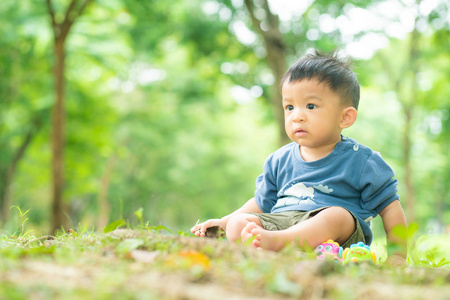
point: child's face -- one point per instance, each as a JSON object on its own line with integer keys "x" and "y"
{"x": 313, "y": 113}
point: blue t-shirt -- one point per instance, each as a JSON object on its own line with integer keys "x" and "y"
{"x": 352, "y": 176}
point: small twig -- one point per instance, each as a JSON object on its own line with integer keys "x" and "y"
{"x": 45, "y": 237}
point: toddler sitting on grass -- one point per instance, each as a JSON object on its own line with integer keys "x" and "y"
{"x": 323, "y": 185}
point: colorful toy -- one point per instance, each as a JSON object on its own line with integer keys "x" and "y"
{"x": 329, "y": 250}
{"x": 358, "y": 252}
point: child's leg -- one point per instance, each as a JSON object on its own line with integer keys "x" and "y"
{"x": 334, "y": 223}
{"x": 237, "y": 223}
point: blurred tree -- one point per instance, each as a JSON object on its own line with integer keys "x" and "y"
{"x": 433, "y": 112}
{"x": 403, "y": 78}
{"x": 276, "y": 56}
{"x": 23, "y": 105}
{"x": 177, "y": 158}
{"x": 405, "y": 63}
{"x": 439, "y": 91}
{"x": 61, "y": 28}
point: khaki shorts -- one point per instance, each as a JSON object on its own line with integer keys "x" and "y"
{"x": 286, "y": 219}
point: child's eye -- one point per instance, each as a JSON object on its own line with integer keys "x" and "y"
{"x": 289, "y": 107}
{"x": 311, "y": 106}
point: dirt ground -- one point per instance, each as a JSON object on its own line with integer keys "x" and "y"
{"x": 101, "y": 268}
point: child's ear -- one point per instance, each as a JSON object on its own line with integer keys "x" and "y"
{"x": 349, "y": 115}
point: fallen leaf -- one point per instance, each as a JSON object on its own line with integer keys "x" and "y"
{"x": 143, "y": 256}
{"x": 188, "y": 259}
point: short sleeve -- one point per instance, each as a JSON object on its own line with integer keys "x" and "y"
{"x": 378, "y": 185}
{"x": 266, "y": 188}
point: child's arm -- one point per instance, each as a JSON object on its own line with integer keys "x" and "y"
{"x": 392, "y": 216}
{"x": 249, "y": 207}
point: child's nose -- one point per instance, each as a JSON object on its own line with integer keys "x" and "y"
{"x": 298, "y": 116}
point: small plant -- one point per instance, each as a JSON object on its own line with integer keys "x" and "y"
{"x": 157, "y": 228}
{"x": 23, "y": 220}
{"x": 139, "y": 215}
{"x": 428, "y": 251}
{"x": 114, "y": 225}
{"x": 432, "y": 261}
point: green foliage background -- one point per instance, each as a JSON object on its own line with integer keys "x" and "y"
{"x": 149, "y": 103}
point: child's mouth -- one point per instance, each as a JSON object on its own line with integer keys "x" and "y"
{"x": 300, "y": 132}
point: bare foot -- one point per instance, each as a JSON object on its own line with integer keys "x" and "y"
{"x": 262, "y": 238}
{"x": 246, "y": 233}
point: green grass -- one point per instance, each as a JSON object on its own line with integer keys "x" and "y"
{"x": 151, "y": 263}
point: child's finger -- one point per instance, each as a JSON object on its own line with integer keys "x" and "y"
{"x": 196, "y": 226}
{"x": 204, "y": 227}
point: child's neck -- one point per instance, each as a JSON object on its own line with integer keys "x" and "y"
{"x": 312, "y": 154}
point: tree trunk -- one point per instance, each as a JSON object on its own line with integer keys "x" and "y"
{"x": 410, "y": 193}
{"x": 5, "y": 196}
{"x": 5, "y": 192}
{"x": 103, "y": 203}
{"x": 408, "y": 107}
{"x": 275, "y": 47}
{"x": 58, "y": 122}
{"x": 60, "y": 32}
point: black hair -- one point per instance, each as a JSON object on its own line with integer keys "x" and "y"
{"x": 329, "y": 69}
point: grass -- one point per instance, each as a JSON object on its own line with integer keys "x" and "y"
{"x": 151, "y": 263}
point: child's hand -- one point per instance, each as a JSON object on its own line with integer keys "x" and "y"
{"x": 200, "y": 229}
{"x": 396, "y": 261}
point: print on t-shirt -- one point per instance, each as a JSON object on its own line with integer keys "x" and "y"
{"x": 296, "y": 193}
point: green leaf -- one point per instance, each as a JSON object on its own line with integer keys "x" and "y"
{"x": 129, "y": 245}
{"x": 138, "y": 213}
{"x": 282, "y": 284}
{"x": 443, "y": 262}
{"x": 159, "y": 228}
{"x": 405, "y": 233}
{"x": 114, "y": 225}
